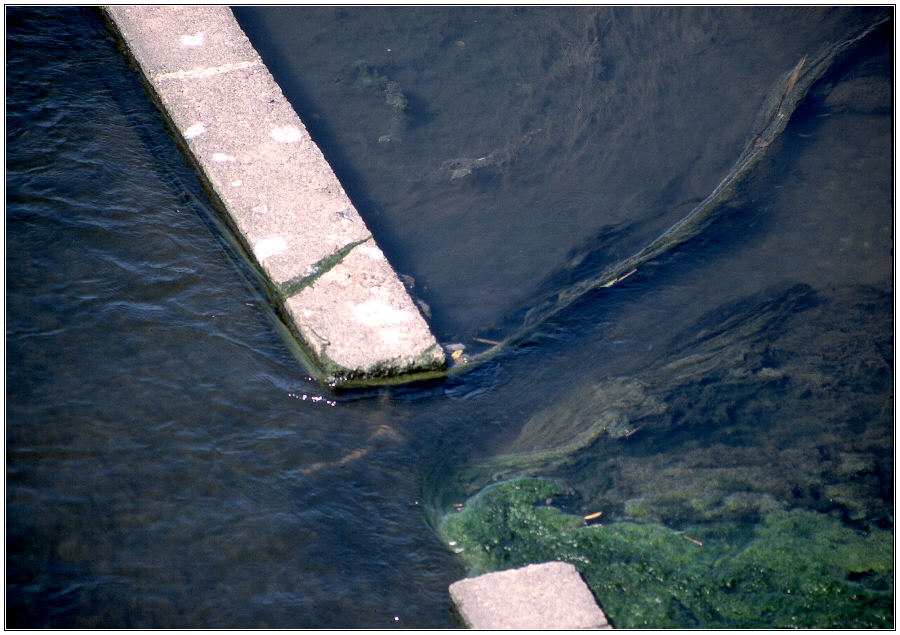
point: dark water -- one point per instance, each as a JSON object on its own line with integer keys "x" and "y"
{"x": 170, "y": 465}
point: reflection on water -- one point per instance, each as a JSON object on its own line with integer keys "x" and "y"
{"x": 169, "y": 465}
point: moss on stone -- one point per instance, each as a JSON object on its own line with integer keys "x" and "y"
{"x": 296, "y": 285}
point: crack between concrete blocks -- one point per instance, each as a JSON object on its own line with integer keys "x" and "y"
{"x": 295, "y": 285}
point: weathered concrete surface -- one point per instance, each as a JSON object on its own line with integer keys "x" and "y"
{"x": 551, "y": 595}
{"x": 334, "y": 288}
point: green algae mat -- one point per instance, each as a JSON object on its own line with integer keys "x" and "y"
{"x": 794, "y": 569}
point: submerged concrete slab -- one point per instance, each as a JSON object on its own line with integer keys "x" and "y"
{"x": 551, "y": 595}
{"x": 331, "y": 283}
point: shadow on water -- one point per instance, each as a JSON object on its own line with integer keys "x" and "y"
{"x": 169, "y": 465}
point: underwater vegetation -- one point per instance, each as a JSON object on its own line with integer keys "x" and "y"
{"x": 370, "y": 77}
{"x": 796, "y": 568}
{"x": 742, "y": 417}
{"x": 745, "y": 479}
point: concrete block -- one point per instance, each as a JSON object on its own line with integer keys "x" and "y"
{"x": 377, "y": 314}
{"x": 278, "y": 194}
{"x": 551, "y": 595}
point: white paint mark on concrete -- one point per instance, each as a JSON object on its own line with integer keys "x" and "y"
{"x": 286, "y": 134}
{"x": 192, "y": 40}
{"x": 260, "y": 209}
{"x": 376, "y": 314}
{"x": 236, "y": 183}
{"x": 222, "y": 158}
{"x": 195, "y": 131}
{"x": 268, "y": 247}
{"x": 200, "y": 73}
{"x": 372, "y": 252}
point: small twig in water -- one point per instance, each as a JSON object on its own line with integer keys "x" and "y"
{"x": 794, "y": 75}
{"x": 790, "y": 83}
{"x": 693, "y": 540}
{"x": 619, "y": 279}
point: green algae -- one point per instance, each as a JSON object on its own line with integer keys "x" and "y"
{"x": 296, "y": 285}
{"x": 742, "y": 417}
{"x": 794, "y": 568}
{"x": 772, "y": 453}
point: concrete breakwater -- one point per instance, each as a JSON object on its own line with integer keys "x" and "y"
{"x": 330, "y": 283}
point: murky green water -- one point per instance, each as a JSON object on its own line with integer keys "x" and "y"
{"x": 170, "y": 465}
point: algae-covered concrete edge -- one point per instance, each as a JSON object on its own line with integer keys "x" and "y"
{"x": 330, "y": 282}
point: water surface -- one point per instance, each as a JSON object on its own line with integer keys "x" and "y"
{"x": 169, "y": 464}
